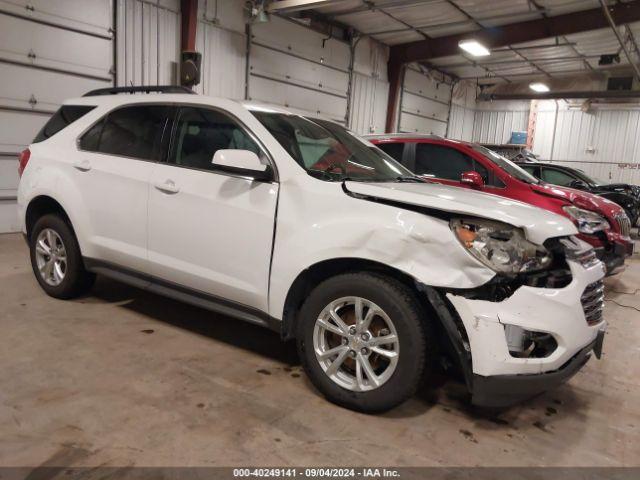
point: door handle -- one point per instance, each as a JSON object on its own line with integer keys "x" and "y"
{"x": 83, "y": 166}
{"x": 168, "y": 186}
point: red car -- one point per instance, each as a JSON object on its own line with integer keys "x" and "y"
{"x": 600, "y": 222}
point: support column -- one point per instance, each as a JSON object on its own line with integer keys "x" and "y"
{"x": 188, "y": 23}
{"x": 395, "y": 69}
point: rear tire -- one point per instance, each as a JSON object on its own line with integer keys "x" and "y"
{"x": 56, "y": 259}
{"x": 368, "y": 367}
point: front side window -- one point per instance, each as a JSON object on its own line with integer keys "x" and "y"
{"x": 442, "y": 162}
{"x": 134, "y": 132}
{"x": 201, "y": 132}
{"x": 65, "y": 116}
{"x": 328, "y": 151}
{"x": 557, "y": 177}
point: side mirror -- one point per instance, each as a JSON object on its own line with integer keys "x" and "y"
{"x": 243, "y": 163}
{"x": 472, "y": 179}
{"x": 579, "y": 184}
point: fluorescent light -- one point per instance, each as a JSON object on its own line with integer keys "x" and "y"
{"x": 474, "y": 47}
{"x": 539, "y": 87}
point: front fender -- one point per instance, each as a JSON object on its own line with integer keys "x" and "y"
{"x": 332, "y": 225}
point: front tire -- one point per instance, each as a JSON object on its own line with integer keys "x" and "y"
{"x": 363, "y": 340}
{"x": 56, "y": 259}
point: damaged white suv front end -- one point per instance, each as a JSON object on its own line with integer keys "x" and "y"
{"x": 536, "y": 318}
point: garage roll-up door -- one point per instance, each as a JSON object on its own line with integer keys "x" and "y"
{"x": 294, "y": 66}
{"x": 425, "y": 104}
{"x": 50, "y": 50}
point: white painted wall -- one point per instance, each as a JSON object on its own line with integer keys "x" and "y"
{"x": 463, "y": 110}
{"x": 604, "y": 142}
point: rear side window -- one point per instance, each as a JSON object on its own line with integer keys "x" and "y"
{"x": 556, "y": 177}
{"x": 394, "y": 150}
{"x": 66, "y": 115}
{"x": 134, "y": 132}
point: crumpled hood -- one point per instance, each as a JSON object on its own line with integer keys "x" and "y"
{"x": 538, "y": 224}
{"x": 581, "y": 199}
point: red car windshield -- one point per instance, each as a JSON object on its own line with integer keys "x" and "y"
{"x": 506, "y": 164}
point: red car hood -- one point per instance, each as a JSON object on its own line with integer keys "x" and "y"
{"x": 581, "y": 199}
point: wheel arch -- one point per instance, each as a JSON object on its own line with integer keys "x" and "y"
{"x": 449, "y": 326}
{"x": 43, "y": 205}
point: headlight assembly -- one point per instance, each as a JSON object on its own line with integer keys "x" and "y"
{"x": 588, "y": 222}
{"x": 501, "y": 247}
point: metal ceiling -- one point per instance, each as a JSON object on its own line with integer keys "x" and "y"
{"x": 395, "y": 22}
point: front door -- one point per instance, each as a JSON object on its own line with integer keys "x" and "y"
{"x": 209, "y": 231}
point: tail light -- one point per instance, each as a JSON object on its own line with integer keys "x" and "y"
{"x": 23, "y": 159}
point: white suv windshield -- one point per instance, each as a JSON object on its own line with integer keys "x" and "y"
{"x": 330, "y": 152}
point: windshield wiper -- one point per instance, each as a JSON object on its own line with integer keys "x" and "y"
{"x": 409, "y": 179}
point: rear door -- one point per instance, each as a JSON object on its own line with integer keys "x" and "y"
{"x": 113, "y": 166}
{"x": 211, "y": 231}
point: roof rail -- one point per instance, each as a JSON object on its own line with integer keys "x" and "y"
{"x": 139, "y": 89}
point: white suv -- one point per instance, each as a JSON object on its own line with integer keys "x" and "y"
{"x": 297, "y": 224}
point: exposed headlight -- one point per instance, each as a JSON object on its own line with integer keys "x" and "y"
{"x": 588, "y": 221}
{"x": 501, "y": 247}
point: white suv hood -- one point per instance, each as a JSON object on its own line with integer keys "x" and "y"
{"x": 538, "y": 224}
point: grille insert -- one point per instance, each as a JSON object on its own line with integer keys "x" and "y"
{"x": 593, "y": 302}
{"x": 624, "y": 223}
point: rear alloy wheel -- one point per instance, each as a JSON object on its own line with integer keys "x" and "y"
{"x": 362, "y": 339}
{"x": 51, "y": 257}
{"x": 56, "y": 258}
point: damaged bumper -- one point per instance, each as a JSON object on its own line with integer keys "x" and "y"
{"x": 505, "y": 390}
{"x": 564, "y": 319}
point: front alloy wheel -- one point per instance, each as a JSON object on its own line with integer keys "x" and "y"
{"x": 364, "y": 340}
{"x": 356, "y": 344}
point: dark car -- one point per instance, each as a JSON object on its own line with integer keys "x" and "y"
{"x": 625, "y": 195}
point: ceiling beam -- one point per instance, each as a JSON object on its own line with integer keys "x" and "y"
{"x": 505, "y": 35}
{"x": 561, "y": 95}
{"x": 285, "y": 6}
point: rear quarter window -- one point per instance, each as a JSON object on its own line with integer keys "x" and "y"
{"x": 65, "y": 116}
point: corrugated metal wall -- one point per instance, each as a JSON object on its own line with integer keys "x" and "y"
{"x": 604, "y": 142}
{"x": 221, "y": 39}
{"x": 462, "y": 116}
{"x": 147, "y": 41}
{"x": 494, "y": 122}
{"x": 370, "y": 88}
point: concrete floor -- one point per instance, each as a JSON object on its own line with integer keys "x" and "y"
{"x": 123, "y": 377}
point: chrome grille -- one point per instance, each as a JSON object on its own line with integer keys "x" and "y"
{"x": 624, "y": 223}
{"x": 593, "y": 302}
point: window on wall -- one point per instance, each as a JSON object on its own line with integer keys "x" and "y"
{"x": 557, "y": 177}
{"x": 201, "y": 132}
{"x": 134, "y": 132}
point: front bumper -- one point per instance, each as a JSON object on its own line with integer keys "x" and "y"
{"x": 612, "y": 250}
{"x": 558, "y": 312}
{"x": 505, "y": 390}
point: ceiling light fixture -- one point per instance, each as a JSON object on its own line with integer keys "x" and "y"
{"x": 539, "y": 87}
{"x": 474, "y": 47}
